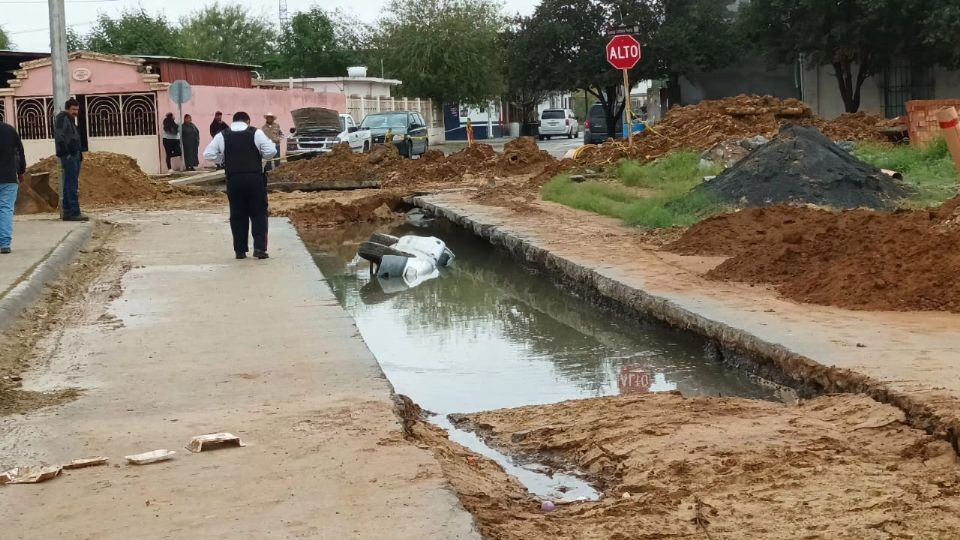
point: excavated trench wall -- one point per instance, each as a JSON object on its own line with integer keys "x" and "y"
{"x": 770, "y": 361}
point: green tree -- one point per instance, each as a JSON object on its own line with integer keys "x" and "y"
{"x": 5, "y": 42}
{"x": 856, "y": 37}
{"x": 568, "y": 45}
{"x": 446, "y": 50}
{"x": 694, "y": 36}
{"x": 319, "y": 43}
{"x": 228, "y": 34}
{"x": 75, "y": 40}
{"x": 522, "y": 82}
{"x": 133, "y": 32}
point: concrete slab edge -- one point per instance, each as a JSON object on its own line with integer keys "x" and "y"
{"x": 30, "y": 287}
{"x": 737, "y": 346}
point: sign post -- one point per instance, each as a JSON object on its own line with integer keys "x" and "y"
{"x": 180, "y": 93}
{"x": 623, "y": 53}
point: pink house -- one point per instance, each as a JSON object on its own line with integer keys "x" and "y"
{"x": 122, "y": 100}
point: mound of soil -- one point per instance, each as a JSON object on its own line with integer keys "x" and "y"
{"x": 801, "y": 165}
{"x": 331, "y": 213}
{"x": 521, "y": 156}
{"x": 839, "y": 467}
{"x": 708, "y": 123}
{"x": 340, "y": 164}
{"x": 858, "y": 259}
{"x": 108, "y": 179}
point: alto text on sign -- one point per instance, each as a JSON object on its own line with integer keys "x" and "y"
{"x": 624, "y": 52}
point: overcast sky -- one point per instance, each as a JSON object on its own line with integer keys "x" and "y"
{"x": 26, "y": 21}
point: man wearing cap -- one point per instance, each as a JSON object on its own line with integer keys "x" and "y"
{"x": 273, "y": 132}
{"x": 241, "y": 150}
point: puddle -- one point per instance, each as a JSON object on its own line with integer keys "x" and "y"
{"x": 490, "y": 334}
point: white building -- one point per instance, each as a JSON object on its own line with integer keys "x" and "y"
{"x": 372, "y": 87}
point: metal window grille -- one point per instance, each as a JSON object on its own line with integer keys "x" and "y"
{"x": 3, "y": 110}
{"x": 35, "y": 118}
{"x": 904, "y": 81}
{"x": 121, "y": 115}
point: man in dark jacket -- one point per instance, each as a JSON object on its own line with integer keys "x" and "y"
{"x": 70, "y": 151}
{"x": 241, "y": 150}
{"x": 218, "y": 126}
{"x": 12, "y": 166}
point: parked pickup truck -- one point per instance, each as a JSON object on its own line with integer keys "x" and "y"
{"x": 318, "y": 130}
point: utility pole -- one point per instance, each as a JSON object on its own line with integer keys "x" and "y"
{"x": 59, "y": 64}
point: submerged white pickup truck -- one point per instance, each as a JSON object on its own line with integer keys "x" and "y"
{"x": 318, "y": 130}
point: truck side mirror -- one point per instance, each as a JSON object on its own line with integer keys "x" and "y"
{"x": 352, "y": 129}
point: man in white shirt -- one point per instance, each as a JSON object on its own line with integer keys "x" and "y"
{"x": 241, "y": 150}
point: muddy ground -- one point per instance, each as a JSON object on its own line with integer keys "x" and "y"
{"x": 59, "y": 304}
{"x": 672, "y": 467}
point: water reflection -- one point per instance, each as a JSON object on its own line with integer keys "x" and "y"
{"x": 490, "y": 334}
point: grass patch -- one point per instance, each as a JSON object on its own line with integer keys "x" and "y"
{"x": 668, "y": 200}
{"x": 929, "y": 170}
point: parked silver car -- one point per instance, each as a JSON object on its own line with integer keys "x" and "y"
{"x": 558, "y": 123}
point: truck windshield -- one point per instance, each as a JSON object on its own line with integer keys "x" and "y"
{"x": 385, "y": 121}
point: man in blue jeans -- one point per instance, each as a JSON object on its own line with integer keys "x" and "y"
{"x": 12, "y": 166}
{"x": 70, "y": 151}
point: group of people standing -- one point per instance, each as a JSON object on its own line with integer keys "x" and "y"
{"x": 239, "y": 148}
{"x": 13, "y": 165}
{"x": 184, "y": 140}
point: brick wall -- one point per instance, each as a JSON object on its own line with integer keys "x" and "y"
{"x": 922, "y": 119}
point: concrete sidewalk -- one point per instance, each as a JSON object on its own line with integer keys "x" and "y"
{"x": 42, "y": 247}
{"x": 179, "y": 339}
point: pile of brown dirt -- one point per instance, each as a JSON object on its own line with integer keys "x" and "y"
{"x": 331, "y": 213}
{"x": 708, "y": 123}
{"x": 383, "y": 163}
{"x": 108, "y": 179}
{"x": 840, "y": 467}
{"x": 859, "y": 126}
{"x": 801, "y": 165}
{"x": 523, "y": 156}
{"x": 859, "y": 259}
{"x": 340, "y": 164}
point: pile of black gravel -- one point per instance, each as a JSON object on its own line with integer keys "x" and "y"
{"x": 801, "y": 165}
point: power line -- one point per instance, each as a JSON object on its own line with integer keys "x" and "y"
{"x": 47, "y": 29}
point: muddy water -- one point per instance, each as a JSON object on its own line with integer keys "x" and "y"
{"x": 490, "y": 334}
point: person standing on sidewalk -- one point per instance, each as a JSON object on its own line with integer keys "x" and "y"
{"x": 12, "y": 166}
{"x": 273, "y": 132}
{"x": 241, "y": 150}
{"x": 216, "y": 127}
{"x": 70, "y": 151}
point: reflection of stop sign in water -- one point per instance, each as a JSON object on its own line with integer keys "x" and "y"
{"x": 634, "y": 380}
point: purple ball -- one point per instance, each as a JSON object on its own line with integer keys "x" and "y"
{"x": 548, "y": 506}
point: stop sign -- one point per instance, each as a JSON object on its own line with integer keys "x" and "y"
{"x": 623, "y": 52}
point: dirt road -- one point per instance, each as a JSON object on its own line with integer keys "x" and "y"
{"x": 178, "y": 339}
{"x": 836, "y": 467}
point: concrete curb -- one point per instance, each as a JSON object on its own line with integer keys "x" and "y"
{"x": 31, "y": 284}
{"x": 734, "y": 346}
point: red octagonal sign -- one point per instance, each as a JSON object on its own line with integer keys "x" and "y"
{"x": 623, "y": 52}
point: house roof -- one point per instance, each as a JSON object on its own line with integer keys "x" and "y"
{"x": 376, "y": 80}
{"x": 193, "y": 61}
